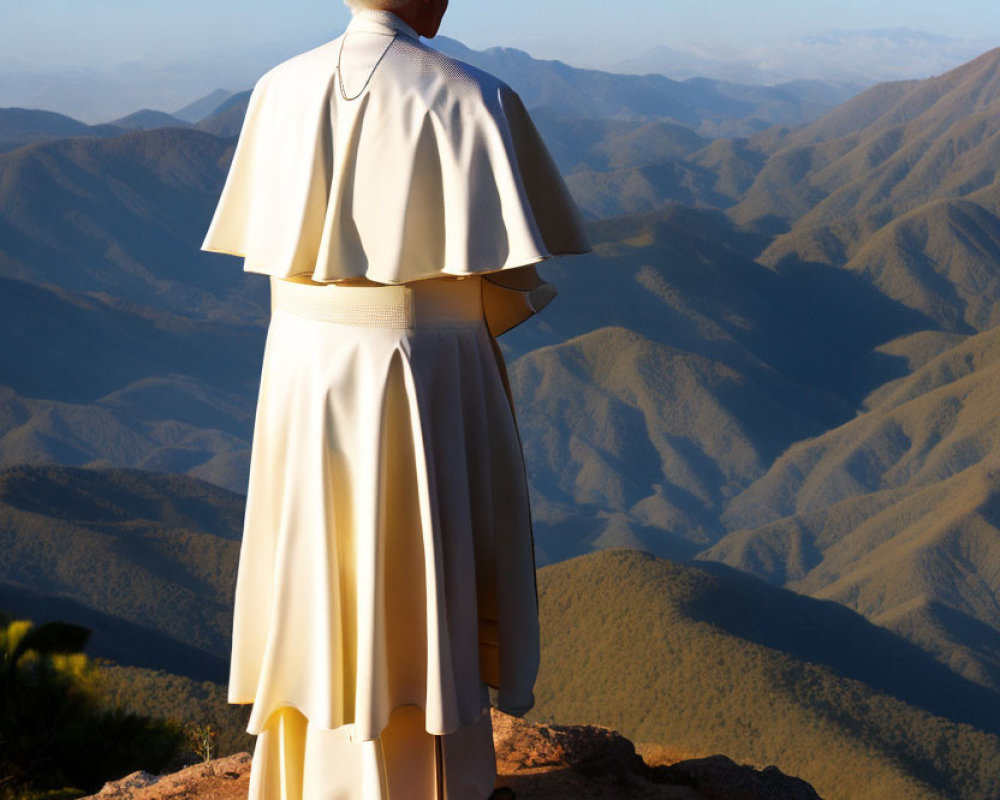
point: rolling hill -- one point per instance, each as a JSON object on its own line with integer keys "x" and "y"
{"x": 79, "y": 346}
{"x": 886, "y": 151}
{"x": 893, "y": 514}
{"x": 701, "y": 658}
{"x": 122, "y": 642}
{"x": 91, "y": 380}
{"x": 941, "y": 260}
{"x": 132, "y": 553}
{"x": 636, "y": 190}
{"x": 163, "y": 424}
{"x": 147, "y": 119}
{"x": 634, "y": 443}
{"x": 687, "y": 278}
{"x": 710, "y": 658}
{"x": 123, "y": 216}
{"x": 898, "y": 185}
{"x": 22, "y": 126}
{"x": 929, "y": 426}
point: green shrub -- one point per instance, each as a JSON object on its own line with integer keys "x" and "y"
{"x": 57, "y": 738}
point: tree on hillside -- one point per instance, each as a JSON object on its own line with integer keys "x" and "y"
{"x": 57, "y": 740}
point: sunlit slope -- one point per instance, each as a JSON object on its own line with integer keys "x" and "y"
{"x": 735, "y": 163}
{"x": 922, "y": 563}
{"x": 716, "y": 661}
{"x": 927, "y": 427}
{"x": 615, "y": 166}
{"x": 679, "y": 370}
{"x": 649, "y": 439}
{"x": 895, "y": 514}
{"x": 160, "y": 692}
{"x": 157, "y": 551}
{"x": 941, "y": 260}
{"x": 634, "y": 190}
{"x": 99, "y": 434}
{"x": 687, "y": 278}
{"x": 898, "y": 185}
{"x": 577, "y": 142}
{"x": 161, "y": 424}
{"x": 886, "y": 151}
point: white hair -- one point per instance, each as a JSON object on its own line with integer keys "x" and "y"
{"x": 378, "y": 5}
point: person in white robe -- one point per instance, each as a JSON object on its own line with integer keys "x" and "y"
{"x": 399, "y": 200}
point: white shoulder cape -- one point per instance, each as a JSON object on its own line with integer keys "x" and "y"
{"x": 434, "y": 169}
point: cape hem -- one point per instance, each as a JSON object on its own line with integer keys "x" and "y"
{"x": 422, "y": 276}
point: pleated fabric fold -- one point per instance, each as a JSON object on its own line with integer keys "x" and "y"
{"x": 428, "y": 167}
{"x": 387, "y": 556}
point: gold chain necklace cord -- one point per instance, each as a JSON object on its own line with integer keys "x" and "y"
{"x": 340, "y": 75}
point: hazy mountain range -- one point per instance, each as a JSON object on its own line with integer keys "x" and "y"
{"x": 840, "y": 60}
{"x": 709, "y": 106}
{"x": 717, "y": 107}
{"x": 852, "y": 57}
{"x": 778, "y": 367}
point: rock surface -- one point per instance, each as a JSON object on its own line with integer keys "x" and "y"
{"x": 220, "y": 779}
{"x": 554, "y": 762}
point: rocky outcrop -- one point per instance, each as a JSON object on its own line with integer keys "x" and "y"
{"x": 554, "y": 762}
{"x": 590, "y": 762}
{"x": 220, "y": 779}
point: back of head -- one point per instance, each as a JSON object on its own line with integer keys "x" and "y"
{"x": 377, "y": 5}
{"x": 422, "y": 15}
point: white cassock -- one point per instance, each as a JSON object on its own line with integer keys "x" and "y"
{"x": 386, "y": 574}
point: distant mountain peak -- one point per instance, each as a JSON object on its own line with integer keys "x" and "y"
{"x": 203, "y": 106}
{"x": 148, "y": 118}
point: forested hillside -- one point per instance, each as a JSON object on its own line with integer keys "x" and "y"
{"x": 778, "y": 370}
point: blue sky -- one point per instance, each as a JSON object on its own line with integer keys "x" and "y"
{"x": 71, "y": 33}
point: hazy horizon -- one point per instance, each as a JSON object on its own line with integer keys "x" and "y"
{"x": 115, "y": 56}
{"x": 105, "y": 32}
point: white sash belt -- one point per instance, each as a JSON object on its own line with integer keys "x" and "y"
{"x": 433, "y": 302}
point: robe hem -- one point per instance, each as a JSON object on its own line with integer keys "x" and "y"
{"x": 485, "y": 709}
